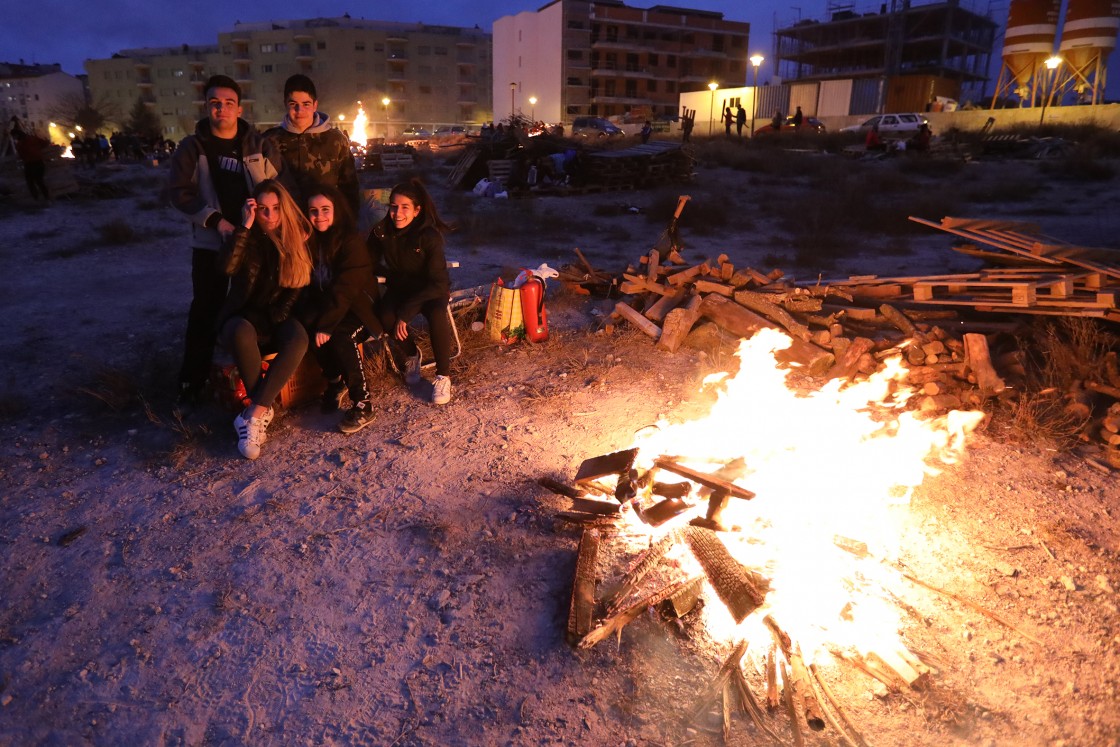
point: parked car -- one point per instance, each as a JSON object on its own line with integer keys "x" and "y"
{"x": 902, "y": 125}
{"x": 594, "y": 127}
{"x": 810, "y": 125}
{"x": 416, "y": 132}
{"x": 449, "y": 135}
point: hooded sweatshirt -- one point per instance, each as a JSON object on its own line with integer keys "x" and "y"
{"x": 318, "y": 155}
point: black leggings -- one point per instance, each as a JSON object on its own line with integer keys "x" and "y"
{"x": 439, "y": 325}
{"x": 242, "y": 340}
{"x": 210, "y": 285}
{"x": 341, "y": 356}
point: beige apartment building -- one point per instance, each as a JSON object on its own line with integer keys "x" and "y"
{"x": 428, "y": 75}
{"x": 604, "y": 58}
{"x": 36, "y": 94}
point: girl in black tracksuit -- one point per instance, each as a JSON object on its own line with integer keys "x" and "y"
{"x": 338, "y": 307}
{"x": 269, "y": 263}
{"x": 407, "y": 249}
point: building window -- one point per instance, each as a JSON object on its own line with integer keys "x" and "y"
{"x": 612, "y": 33}
{"x": 573, "y": 54}
{"x": 631, "y": 89}
{"x": 378, "y": 47}
{"x": 717, "y": 42}
{"x": 304, "y": 50}
{"x": 737, "y": 41}
{"x": 670, "y": 86}
{"x": 631, "y": 63}
{"x": 651, "y": 86}
{"x": 266, "y": 49}
{"x": 575, "y": 24}
{"x": 266, "y": 68}
{"x": 423, "y": 49}
{"x": 320, "y": 45}
{"x": 281, "y": 47}
{"x": 440, "y": 50}
{"x": 632, "y": 32}
{"x": 653, "y": 59}
{"x": 575, "y": 82}
{"x": 609, "y": 88}
{"x": 178, "y": 73}
{"x": 671, "y": 60}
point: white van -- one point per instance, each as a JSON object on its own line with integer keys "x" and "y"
{"x": 903, "y": 125}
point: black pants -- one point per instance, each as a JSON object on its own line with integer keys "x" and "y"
{"x": 210, "y": 287}
{"x": 340, "y": 356}
{"x": 439, "y": 325}
{"x": 35, "y": 173}
{"x": 243, "y": 340}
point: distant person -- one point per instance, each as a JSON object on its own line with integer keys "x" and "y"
{"x": 269, "y": 265}
{"x": 407, "y": 250}
{"x": 315, "y": 152}
{"x": 874, "y": 142}
{"x": 687, "y": 123}
{"x": 921, "y": 139}
{"x": 32, "y": 150}
{"x": 728, "y": 120}
{"x": 647, "y": 130}
{"x": 213, "y": 172}
{"x": 740, "y": 120}
{"x": 776, "y": 122}
{"x": 798, "y": 117}
{"x": 337, "y": 308}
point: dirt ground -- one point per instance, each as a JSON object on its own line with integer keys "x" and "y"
{"x": 409, "y": 585}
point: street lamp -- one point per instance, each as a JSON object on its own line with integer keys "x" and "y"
{"x": 712, "y": 109}
{"x": 1051, "y": 74}
{"x": 756, "y": 61}
{"x": 512, "y": 91}
{"x": 385, "y": 104}
{"x": 533, "y": 110}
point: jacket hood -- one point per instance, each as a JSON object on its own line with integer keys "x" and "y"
{"x": 321, "y": 122}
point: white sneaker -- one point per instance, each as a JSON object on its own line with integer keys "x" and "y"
{"x": 250, "y": 432}
{"x": 412, "y": 369}
{"x": 441, "y": 390}
{"x": 266, "y": 420}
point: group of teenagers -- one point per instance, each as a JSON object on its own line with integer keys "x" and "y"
{"x": 279, "y": 267}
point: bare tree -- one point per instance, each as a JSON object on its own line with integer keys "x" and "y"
{"x": 75, "y": 111}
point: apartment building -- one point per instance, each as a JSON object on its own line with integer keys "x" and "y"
{"x": 428, "y": 74}
{"x": 36, "y": 94}
{"x": 604, "y": 58}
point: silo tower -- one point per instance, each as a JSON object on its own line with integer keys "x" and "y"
{"x": 1032, "y": 26}
{"x": 1088, "y": 36}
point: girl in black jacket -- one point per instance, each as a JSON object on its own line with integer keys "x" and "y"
{"x": 338, "y": 307}
{"x": 407, "y": 249}
{"x": 268, "y": 259}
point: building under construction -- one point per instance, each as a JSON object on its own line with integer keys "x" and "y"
{"x": 909, "y": 56}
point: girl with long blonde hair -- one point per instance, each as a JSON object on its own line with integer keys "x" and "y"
{"x": 270, "y": 265}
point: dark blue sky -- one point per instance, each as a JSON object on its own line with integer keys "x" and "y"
{"x": 69, "y": 32}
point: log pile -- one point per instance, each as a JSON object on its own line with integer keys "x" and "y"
{"x": 791, "y": 697}
{"x": 942, "y": 326}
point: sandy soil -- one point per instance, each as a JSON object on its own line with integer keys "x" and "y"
{"x": 410, "y": 584}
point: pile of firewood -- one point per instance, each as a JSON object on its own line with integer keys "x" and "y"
{"x": 847, "y": 327}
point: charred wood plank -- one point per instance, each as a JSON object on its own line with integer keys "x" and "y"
{"x": 582, "y": 605}
{"x": 615, "y": 623}
{"x": 729, "y": 579}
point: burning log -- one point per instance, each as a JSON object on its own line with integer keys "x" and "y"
{"x": 587, "y": 520}
{"x": 634, "y": 317}
{"x": 716, "y": 686}
{"x": 847, "y": 363}
{"x": 803, "y": 691}
{"x": 709, "y": 481}
{"x": 842, "y": 724}
{"x": 750, "y": 705}
{"x": 681, "y": 603}
{"x": 772, "y": 699}
{"x": 763, "y": 305}
{"x": 678, "y": 323}
{"x": 733, "y": 586}
{"x": 662, "y": 306}
{"x": 560, "y": 488}
{"x": 615, "y": 623}
{"x": 582, "y": 605}
{"x": 745, "y": 323}
{"x": 979, "y": 361}
{"x": 645, "y": 563}
{"x": 792, "y": 709}
{"x": 620, "y": 463}
{"x": 662, "y": 511}
{"x": 899, "y": 320}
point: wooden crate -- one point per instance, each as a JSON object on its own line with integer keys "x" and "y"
{"x": 306, "y": 385}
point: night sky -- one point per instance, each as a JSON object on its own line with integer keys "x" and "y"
{"x": 71, "y": 32}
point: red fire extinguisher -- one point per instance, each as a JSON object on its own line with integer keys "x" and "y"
{"x": 532, "y": 309}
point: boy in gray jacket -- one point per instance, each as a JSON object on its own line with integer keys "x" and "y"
{"x": 213, "y": 171}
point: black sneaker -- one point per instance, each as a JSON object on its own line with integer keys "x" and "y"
{"x": 357, "y": 417}
{"x": 332, "y": 398}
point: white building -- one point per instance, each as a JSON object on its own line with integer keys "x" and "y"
{"x": 36, "y": 94}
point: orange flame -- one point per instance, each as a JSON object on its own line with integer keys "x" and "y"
{"x": 839, "y": 462}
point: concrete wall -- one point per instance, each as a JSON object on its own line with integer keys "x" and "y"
{"x": 1104, "y": 115}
